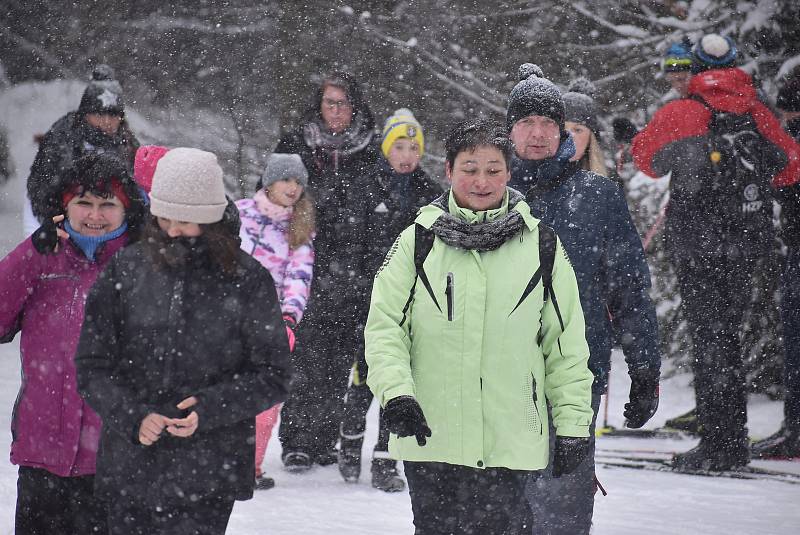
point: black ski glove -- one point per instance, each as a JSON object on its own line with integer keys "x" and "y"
{"x": 45, "y": 238}
{"x": 624, "y": 130}
{"x": 569, "y": 453}
{"x": 643, "y": 400}
{"x": 404, "y": 418}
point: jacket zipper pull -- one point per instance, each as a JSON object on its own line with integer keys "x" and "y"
{"x": 449, "y": 293}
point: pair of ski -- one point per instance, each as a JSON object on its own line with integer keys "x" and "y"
{"x": 661, "y": 461}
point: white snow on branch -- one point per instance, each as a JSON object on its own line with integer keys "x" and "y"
{"x": 759, "y": 16}
{"x": 163, "y": 24}
{"x": 625, "y": 30}
{"x": 787, "y": 66}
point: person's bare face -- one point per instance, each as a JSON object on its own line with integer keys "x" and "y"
{"x": 106, "y": 123}
{"x": 336, "y": 109}
{"x": 679, "y": 81}
{"x": 536, "y": 137}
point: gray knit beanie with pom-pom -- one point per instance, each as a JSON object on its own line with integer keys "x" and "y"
{"x": 580, "y": 106}
{"x": 534, "y": 95}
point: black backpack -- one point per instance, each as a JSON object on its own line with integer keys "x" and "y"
{"x": 736, "y": 195}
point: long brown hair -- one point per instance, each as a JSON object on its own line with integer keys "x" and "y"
{"x": 302, "y": 225}
{"x": 220, "y": 243}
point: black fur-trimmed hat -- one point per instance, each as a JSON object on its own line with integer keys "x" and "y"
{"x": 534, "y": 95}
{"x": 103, "y": 94}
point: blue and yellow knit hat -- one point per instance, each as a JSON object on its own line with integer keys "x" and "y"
{"x": 678, "y": 57}
{"x": 402, "y": 124}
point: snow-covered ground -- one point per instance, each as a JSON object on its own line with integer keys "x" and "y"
{"x": 320, "y": 502}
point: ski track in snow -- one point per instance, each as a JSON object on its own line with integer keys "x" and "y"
{"x": 320, "y": 502}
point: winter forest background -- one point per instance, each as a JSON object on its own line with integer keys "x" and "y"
{"x": 228, "y": 75}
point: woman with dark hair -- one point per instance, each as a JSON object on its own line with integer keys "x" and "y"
{"x": 44, "y": 285}
{"x": 182, "y": 346}
{"x": 461, "y": 374}
{"x": 336, "y": 141}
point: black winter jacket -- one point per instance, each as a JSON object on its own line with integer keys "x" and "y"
{"x": 155, "y": 336}
{"x": 385, "y": 211}
{"x": 335, "y": 186}
{"x": 67, "y": 140}
{"x": 590, "y": 216}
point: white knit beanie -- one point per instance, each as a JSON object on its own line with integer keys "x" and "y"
{"x": 187, "y": 186}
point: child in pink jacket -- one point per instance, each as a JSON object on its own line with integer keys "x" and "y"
{"x": 277, "y": 229}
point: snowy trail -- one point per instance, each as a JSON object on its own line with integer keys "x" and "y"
{"x": 320, "y": 502}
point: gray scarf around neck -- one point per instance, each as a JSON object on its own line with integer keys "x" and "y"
{"x": 481, "y": 237}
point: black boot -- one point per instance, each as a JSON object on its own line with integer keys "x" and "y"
{"x": 264, "y": 483}
{"x": 710, "y": 457}
{"x": 297, "y": 461}
{"x": 784, "y": 443}
{"x": 350, "y": 458}
{"x": 385, "y": 476}
{"x": 326, "y": 458}
{"x": 685, "y": 422}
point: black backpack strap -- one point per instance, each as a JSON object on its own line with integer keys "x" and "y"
{"x": 547, "y": 257}
{"x": 547, "y": 253}
{"x": 423, "y": 243}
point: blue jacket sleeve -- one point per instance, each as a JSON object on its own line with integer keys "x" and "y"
{"x": 633, "y": 315}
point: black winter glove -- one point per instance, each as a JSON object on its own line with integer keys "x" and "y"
{"x": 624, "y": 130}
{"x": 45, "y": 238}
{"x": 569, "y": 453}
{"x": 643, "y": 400}
{"x": 404, "y": 418}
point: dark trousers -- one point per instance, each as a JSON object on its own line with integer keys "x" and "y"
{"x": 48, "y": 504}
{"x": 449, "y": 499}
{"x": 356, "y": 405}
{"x": 790, "y": 315}
{"x": 564, "y": 505}
{"x": 714, "y": 295}
{"x": 208, "y": 516}
{"x": 327, "y": 341}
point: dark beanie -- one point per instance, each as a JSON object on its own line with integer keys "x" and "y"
{"x": 103, "y": 94}
{"x": 789, "y": 96}
{"x": 713, "y": 51}
{"x": 579, "y": 105}
{"x": 534, "y": 95}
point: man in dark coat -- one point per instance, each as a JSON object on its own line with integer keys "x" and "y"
{"x": 718, "y": 228}
{"x": 336, "y": 140}
{"x": 786, "y": 441}
{"x": 387, "y": 199}
{"x": 97, "y": 126}
{"x": 590, "y": 216}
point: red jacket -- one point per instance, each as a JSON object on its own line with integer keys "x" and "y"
{"x": 728, "y": 90}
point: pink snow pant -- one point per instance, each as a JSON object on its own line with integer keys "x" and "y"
{"x": 265, "y": 421}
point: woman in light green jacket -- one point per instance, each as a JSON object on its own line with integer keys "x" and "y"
{"x": 465, "y": 346}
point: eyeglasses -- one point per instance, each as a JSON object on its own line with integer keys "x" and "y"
{"x": 339, "y": 104}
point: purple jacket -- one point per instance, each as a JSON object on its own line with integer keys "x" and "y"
{"x": 43, "y": 296}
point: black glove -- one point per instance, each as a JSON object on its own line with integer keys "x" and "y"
{"x": 569, "y": 453}
{"x": 404, "y": 418}
{"x": 643, "y": 398}
{"x": 624, "y": 130}
{"x": 45, "y": 238}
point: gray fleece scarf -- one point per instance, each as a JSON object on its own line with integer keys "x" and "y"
{"x": 480, "y": 237}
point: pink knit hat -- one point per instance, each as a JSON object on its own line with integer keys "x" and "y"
{"x": 144, "y": 165}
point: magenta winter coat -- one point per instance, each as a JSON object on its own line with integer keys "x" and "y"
{"x": 264, "y": 237}
{"x": 43, "y": 296}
